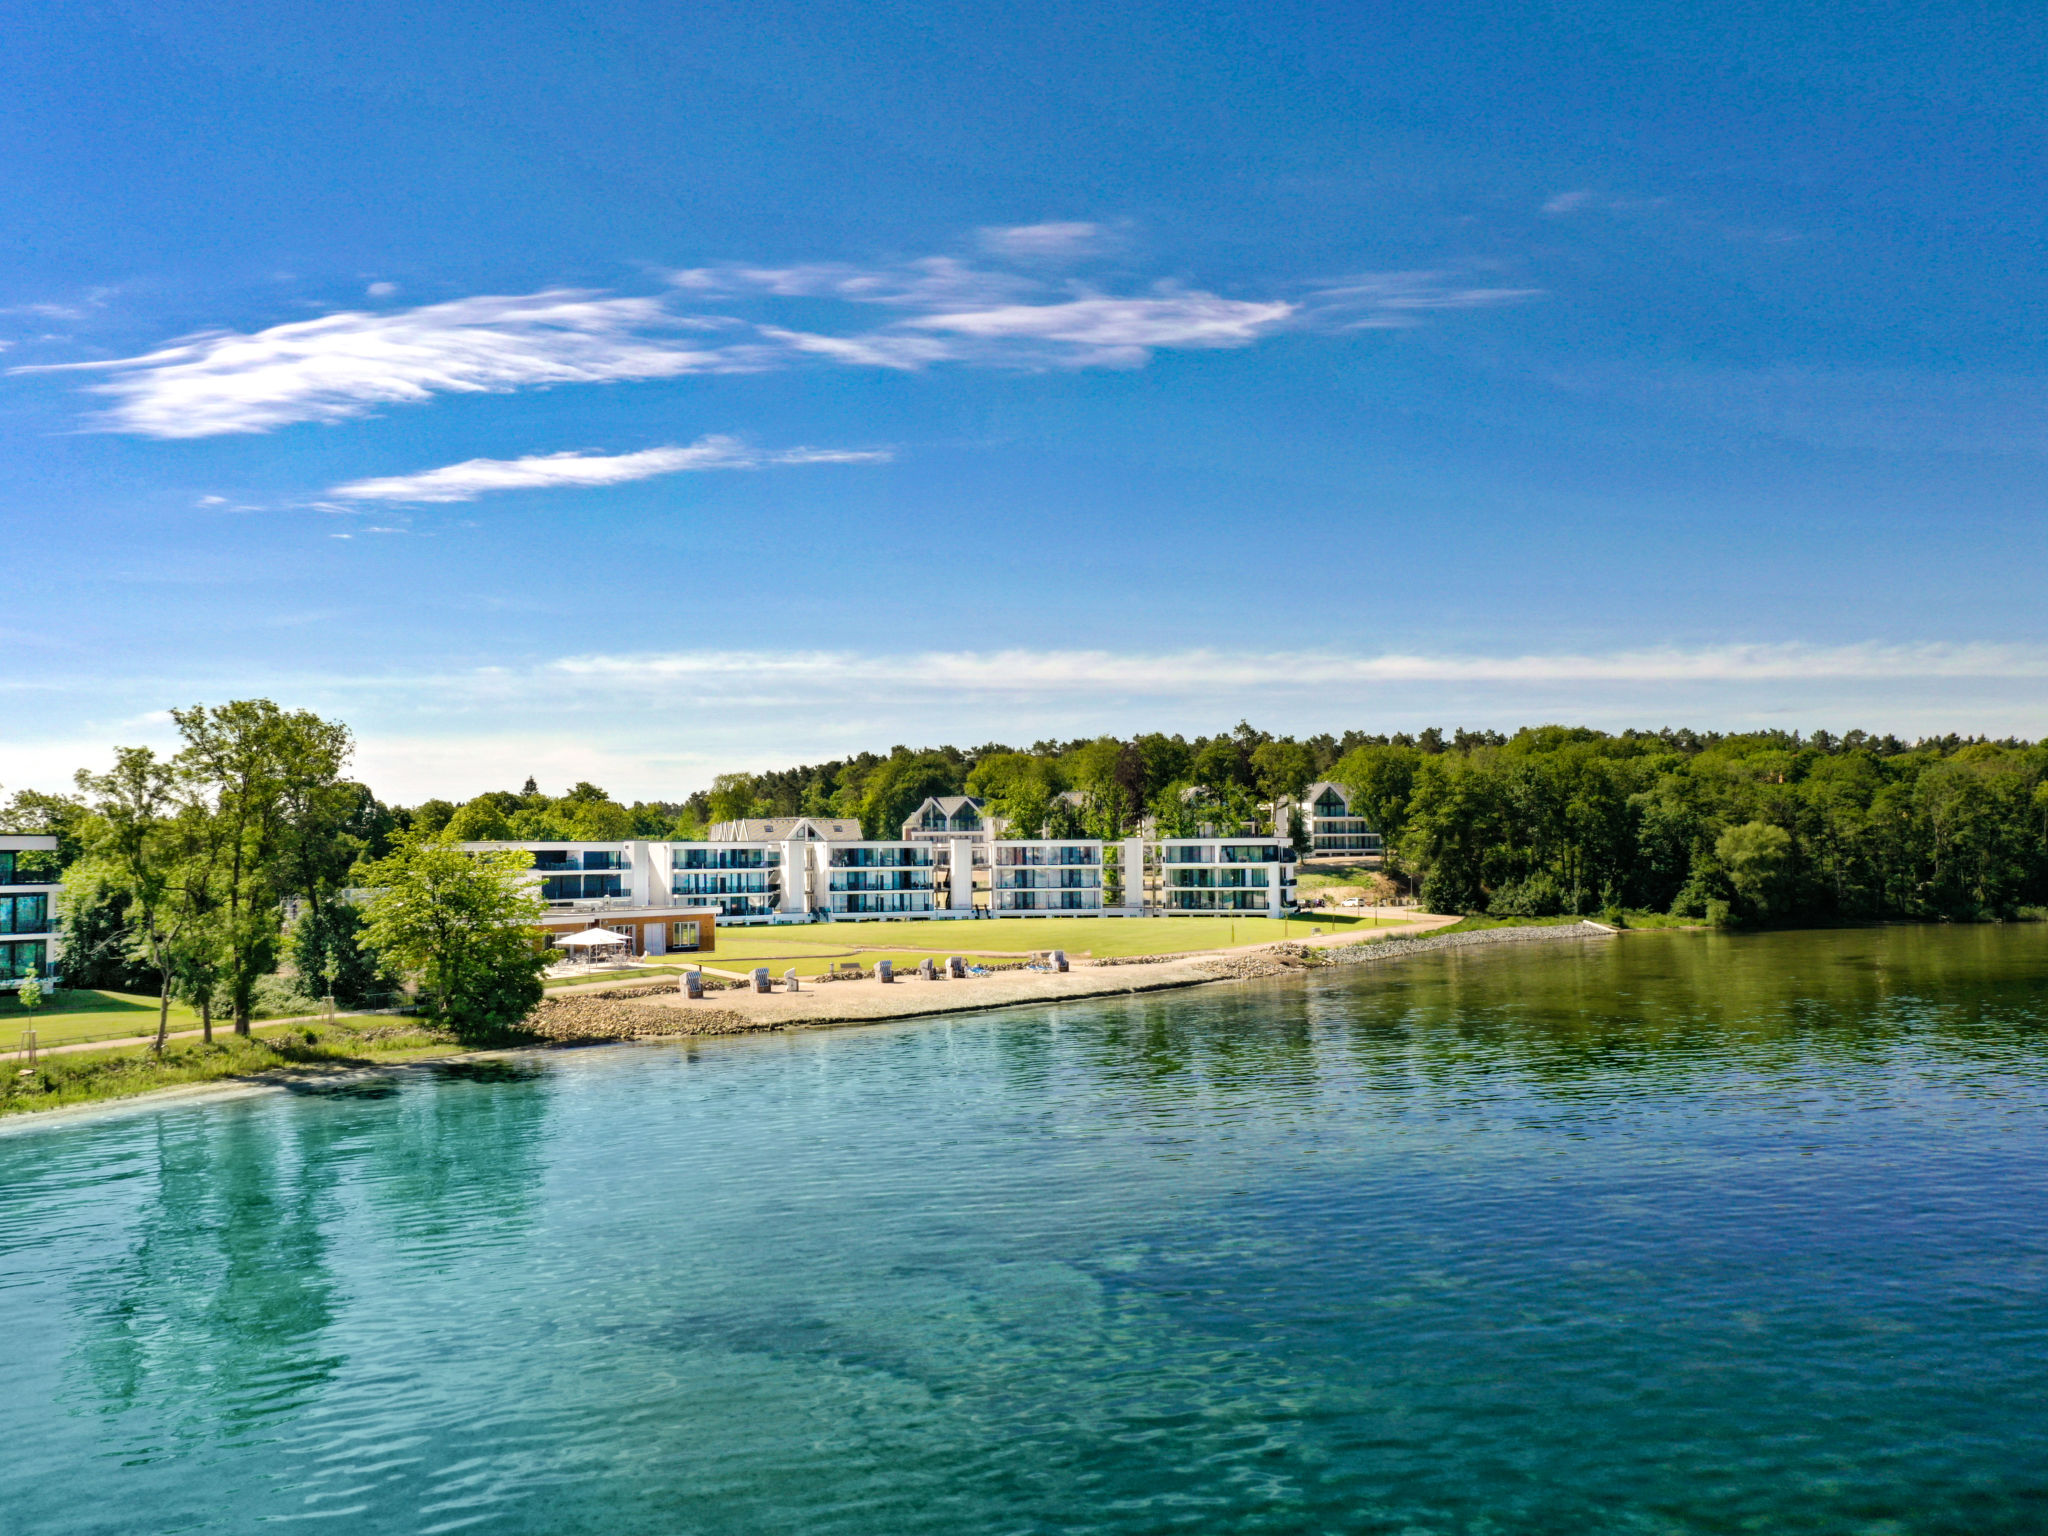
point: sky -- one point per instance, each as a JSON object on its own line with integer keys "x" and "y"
{"x": 639, "y": 392}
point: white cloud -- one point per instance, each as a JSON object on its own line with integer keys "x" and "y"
{"x": 1042, "y": 241}
{"x": 474, "y": 477}
{"x": 381, "y": 290}
{"x": 873, "y": 349}
{"x": 350, "y": 363}
{"x": 933, "y": 281}
{"x": 346, "y": 364}
{"x": 1387, "y": 300}
{"x": 1118, "y": 331}
{"x": 1179, "y": 673}
{"x": 1567, "y": 202}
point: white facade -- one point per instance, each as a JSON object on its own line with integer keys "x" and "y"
{"x": 1332, "y": 827}
{"x": 28, "y": 914}
{"x": 1220, "y": 874}
{"x": 810, "y": 879}
{"x": 1045, "y": 875}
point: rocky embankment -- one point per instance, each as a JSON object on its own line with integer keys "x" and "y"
{"x": 1394, "y": 949}
{"x": 618, "y": 1015}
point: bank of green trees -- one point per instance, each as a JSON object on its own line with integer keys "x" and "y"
{"x": 1753, "y": 828}
{"x": 231, "y": 875}
{"x": 1770, "y": 826}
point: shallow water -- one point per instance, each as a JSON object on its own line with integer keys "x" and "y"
{"x": 1671, "y": 1234}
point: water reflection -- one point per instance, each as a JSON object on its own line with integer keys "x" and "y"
{"x": 217, "y": 1315}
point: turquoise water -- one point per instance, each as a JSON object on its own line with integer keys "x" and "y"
{"x": 1673, "y": 1234}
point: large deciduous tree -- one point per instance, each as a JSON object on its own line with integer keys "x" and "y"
{"x": 137, "y": 845}
{"x": 459, "y": 923}
{"x": 269, "y": 785}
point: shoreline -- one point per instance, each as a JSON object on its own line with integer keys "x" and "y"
{"x": 638, "y": 1013}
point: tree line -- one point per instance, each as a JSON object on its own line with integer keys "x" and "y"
{"x": 236, "y": 870}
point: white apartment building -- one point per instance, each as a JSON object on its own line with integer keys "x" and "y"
{"x": 28, "y": 913}
{"x": 656, "y": 892}
{"x": 1043, "y": 875}
{"x": 1219, "y": 874}
{"x": 1333, "y": 827}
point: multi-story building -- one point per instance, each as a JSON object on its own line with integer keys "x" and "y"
{"x": 862, "y": 880}
{"x": 1227, "y": 874}
{"x": 1045, "y": 875}
{"x": 670, "y": 895}
{"x": 28, "y": 910}
{"x": 1332, "y": 826}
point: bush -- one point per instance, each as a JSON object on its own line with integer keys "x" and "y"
{"x": 277, "y": 996}
{"x": 1537, "y": 896}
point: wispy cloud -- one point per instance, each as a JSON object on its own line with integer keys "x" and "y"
{"x": 1391, "y": 300}
{"x": 1041, "y": 242}
{"x": 474, "y": 477}
{"x": 929, "y": 282}
{"x": 346, "y": 364}
{"x": 949, "y": 311}
{"x": 1118, "y": 332}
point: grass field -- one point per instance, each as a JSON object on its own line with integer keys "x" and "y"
{"x": 83, "y": 1076}
{"x": 812, "y": 947}
{"x": 1078, "y": 936}
{"x": 81, "y": 1015}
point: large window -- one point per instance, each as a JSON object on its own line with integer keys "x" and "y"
{"x": 24, "y": 914}
{"x": 578, "y": 887}
{"x": 17, "y": 960}
{"x": 728, "y": 858}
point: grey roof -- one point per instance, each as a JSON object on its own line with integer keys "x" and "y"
{"x": 776, "y": 829}
{"x": 1314, "y": 792}
{"x": 947, "y": 806}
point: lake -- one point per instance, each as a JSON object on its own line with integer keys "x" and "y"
{"x": 1674, "y": 1233}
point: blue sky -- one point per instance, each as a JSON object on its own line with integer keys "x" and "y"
{"x": 641, "y": 391}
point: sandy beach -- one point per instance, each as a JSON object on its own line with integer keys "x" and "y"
{"x": 649, "y": 1010}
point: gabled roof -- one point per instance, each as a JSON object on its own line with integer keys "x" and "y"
{"x": 949, "y": 807}
{"x": 1314, "y": 793}
{"x": 779, "y": 829}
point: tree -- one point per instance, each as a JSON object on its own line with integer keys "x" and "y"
{"x": 460, "y": 924}
{"x": 1283, "y": 770}
{"x": 326, "y": 947}
{"x": 265, "y": 778}
{"x": 481, "y": 821}
{"x": 1758, "y": 859}
{"x": 733, "y": 797}
{"x": 900, "y": 785}
{"x": 137, "y": 846}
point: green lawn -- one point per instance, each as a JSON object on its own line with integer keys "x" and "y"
{"x": 81, "y": 1076}
{"x": 1078, "y": 936}
{"x": 1331, "y": 876}
{"x": 79, "y": 1015}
